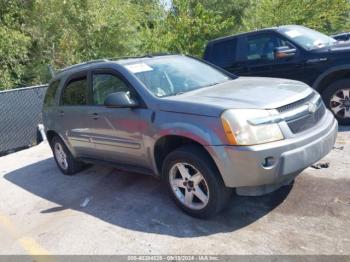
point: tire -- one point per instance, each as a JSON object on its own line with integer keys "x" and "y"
{"x": 192, "y": 160}
{"x": 337, "y": 98}
{"x": 70, "y": 166}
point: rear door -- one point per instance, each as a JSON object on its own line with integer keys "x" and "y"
{"x": 73, "y": 122}
{"x": 117, "y": 133}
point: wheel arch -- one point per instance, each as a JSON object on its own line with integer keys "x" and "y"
{"x": 331, "y": 75}
{"x": 168, "y": 143}
{"x": 50, "y": 134}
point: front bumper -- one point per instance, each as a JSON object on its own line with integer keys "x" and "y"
{"x": 245, "y": 167}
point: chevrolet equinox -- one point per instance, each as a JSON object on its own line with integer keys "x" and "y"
{"x": 201, "y": 129}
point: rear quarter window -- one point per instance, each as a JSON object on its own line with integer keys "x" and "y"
{"x": 223, "y": 53}
{"x": 76, "y": 92}
{"x": 51, "y": 93}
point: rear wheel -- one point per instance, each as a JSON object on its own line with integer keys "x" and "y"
{"x": 337, "y": 99}
{"x": 194, "y": 182}
{"x": 63, "y": 157}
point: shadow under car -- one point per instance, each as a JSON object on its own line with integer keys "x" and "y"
{"x": 135, "y": 201}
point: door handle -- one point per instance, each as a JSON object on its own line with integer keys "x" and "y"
{"x": 94, "y": 116}
{"x": 61, "y": 113}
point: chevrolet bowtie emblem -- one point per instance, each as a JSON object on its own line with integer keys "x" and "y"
{"x": 312, "y": 107}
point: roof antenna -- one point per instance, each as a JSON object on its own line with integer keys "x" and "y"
{"x": 51, "y": 71}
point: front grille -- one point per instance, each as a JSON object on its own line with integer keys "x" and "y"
{"x": 296, "y": 104}
{"x": 307, "y": 121}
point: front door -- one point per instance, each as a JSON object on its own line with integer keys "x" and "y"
{"x": 117, "y": 132}
{"x": 261, "y": 60}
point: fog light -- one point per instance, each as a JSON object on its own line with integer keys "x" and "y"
{"x": 268, "y": 162}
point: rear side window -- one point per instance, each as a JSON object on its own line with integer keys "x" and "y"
{"x": 50, "y": 93}
{"x": 76, "y": 92}
{"x": 223, "y": 53}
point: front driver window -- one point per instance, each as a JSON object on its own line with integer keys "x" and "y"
{"x": 263, "y": 47}
{"x": 105, "y": 84}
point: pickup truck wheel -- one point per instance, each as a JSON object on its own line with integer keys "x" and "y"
{"x": 194, "y": 182}
{"x": 337, "y": 99}
{"x": 63, "y": 157}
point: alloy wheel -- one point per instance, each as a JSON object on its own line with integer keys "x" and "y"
{"x": 340, "y": 103}
{"x": 61, "y": 156}
{"x": 189, "y": 186}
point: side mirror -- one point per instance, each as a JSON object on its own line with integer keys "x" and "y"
{"x": 284, "y": 52}
{"x": 120, "y": 100}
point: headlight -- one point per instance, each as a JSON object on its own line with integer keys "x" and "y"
{"x": 239, "y": 131}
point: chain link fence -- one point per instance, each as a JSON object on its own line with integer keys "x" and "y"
{"x": 20, "y": 114}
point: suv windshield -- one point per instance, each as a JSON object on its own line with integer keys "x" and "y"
{"x": 172, "y": 75}
{"x": 307, "y": 38}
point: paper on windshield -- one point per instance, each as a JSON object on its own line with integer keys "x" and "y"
{"x": 139, "y": 68}
{"x": 293, "y": 33}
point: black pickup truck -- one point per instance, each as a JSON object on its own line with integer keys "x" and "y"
{"x": 293, "y": 52}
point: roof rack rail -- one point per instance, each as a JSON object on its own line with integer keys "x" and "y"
{"x": 109, "y": 59}
{"x": 140, "y": 56}
{"x": 82, "y": 64}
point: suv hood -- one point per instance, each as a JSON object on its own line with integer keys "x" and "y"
{"x": 243, "y": 92}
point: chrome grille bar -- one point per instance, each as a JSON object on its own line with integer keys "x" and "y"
{"x": 310, "y": 107}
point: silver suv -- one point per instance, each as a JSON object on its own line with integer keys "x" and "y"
{"x": 201, "y": 129}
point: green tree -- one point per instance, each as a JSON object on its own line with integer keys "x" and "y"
{"x": 68, "y": 32}
{"x": 35, "y": 33}
{"x": 327, "y": 16}
{"x": 229, "y": 9}
{"x": 14, "y": 43}
{"x": 185, "y": 28}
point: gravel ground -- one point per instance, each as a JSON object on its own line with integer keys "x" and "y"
{"x": 107, "y": 211}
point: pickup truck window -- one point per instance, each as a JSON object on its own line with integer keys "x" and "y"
{"x": 262, "y": 47}
{"x": 307, "y": 38}
{"x": 223, "y": 53}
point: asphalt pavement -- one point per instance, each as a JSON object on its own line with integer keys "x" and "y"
{"x": 107, "y": 211}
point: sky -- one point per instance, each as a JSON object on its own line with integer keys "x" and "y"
{"x": 167, "y": 3}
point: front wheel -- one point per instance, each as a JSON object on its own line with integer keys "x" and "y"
{"x": 337, "y": 99}
{"x": 194, "y": 182}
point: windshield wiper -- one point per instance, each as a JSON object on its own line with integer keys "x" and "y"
{"x": 216, "y": 83}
